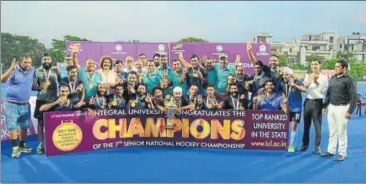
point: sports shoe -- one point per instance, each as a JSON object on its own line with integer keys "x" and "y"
{"x": 16, "y": 152}
{"x": 340, "y": 158}
{"x": 25, "y": 149}
{"x": 291, "y": 148}
{"x": 40, "y": 148}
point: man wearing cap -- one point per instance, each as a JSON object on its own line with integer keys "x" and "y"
{"x": 19, "y": 79}
{"x": 293, "y": 92}
{"x": 316, "y": 85}
{"x": 341, "y": 98}
{"x": 181, "y": 102}
{"x": 46, "y": 80}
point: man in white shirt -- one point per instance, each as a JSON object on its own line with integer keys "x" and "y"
{"x": 316, "y": 87}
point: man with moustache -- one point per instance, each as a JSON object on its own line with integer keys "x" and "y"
{"x": 316, "y": 86}
{"x": 63, "y": 103}
{"x": 233, "y": 100}
{"x": 158, "y": 100}
{"x": 129, "y": 64}
{"x": 156, "y": 59}
{"x": 19, "y": 79}
{"x": 100, "y": 100}
{"x": 240, "y": 79}
{"x": 270, "y": 101}
{"x": 210, "y": 102}
{"x": 46, "y": 80}
{"x": 62, "y": 66}
{"x": 195, "y": 74}
{"x": 130, "y": 86}
{"x": 140, "y": 71}
{"x": 152, "y": 78}
{"x": 164, "y": 70}
{"x": 273, "y": 71}
{"x": 118, "y": 67}
{"x": 179, "y": 76}
{"x": 341, "y": 102}
{"x": 143, "y": 59}
{"x": 142, "y": 100}
{"x": 117, "y": 101}
{"x": 256, "y": 85}
{"x": 77, "y": 93}
{"x": 88, "y": 76}
{"x": 108, "y": 75}
{"x": 180, "y": 102}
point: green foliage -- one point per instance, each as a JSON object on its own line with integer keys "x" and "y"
{"x": 192, "y": 40}
{"x": 299, "y": 67}
{"x": 358, "y": 69}
{"x": 283, "y": 61}
{"x": 16, "y": 46}
{"x": 58, "y": 49}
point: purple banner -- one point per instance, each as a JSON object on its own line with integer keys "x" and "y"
{"x": 68, "y": 132}
{"x": 212, "y": 50}
{"x": 116, "y": 50}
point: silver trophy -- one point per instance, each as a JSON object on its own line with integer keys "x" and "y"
{"x": 171, "y": 108}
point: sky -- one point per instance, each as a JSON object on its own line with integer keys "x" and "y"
{"x": 168, "y": 21}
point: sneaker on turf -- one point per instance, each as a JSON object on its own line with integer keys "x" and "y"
{"x": 16, "y": 152}
{"x": 291, "y": 148}
{"x": 25, "y": 149}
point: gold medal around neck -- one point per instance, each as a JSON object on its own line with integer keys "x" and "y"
{"x": 209, "y": 106}
{"x": 91, "y": 86}
{"x": 114, "y": 102}
{"x": 48, "y": 83}
{"x": 195, "y": 75}
{"x": 133, "y": 104}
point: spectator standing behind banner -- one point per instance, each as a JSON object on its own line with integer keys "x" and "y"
{"x": 63, "y": 103}
{"x": 156, "y": 59}
{"x": 129, "y": 65}
{"x": 256, "y": 86}
{"x": 273, "y": 71}
{"x": 210, "y": 102}
{"x": 164, "y": 69}
{"x": 99, "y": 101}
{"x": 270, "y": 101}
{"x": 341, "y": 98}
{"x": 130, "y": 86}
{"x": 46, "y": 81}
{"x": 316, "y": 85}
{"x": 152, "y": 78}
{"x": 108, "y": 75}
{"x": 293, "y": 92}
{"x": 88, "y": 76}
{"x": 77, "y": 93}
{"x": 141, "y": 100}
{"x": 233, "y": 100}
{"x": 62, "y": 66}
{"x": 117, "y": 101}
{"x": 179, "y": 76}
{"x": 19, "y": 79}
{"x": 118, "y": 67}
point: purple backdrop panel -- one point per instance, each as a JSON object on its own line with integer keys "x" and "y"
{"x": 119, "y": 50}
{"x": 152, "y": 48}
{"x": 92, "y": 50}
{"x": 212, "y": 50}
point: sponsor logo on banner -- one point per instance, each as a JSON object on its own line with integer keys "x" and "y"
{"x": 118, "y": 50}
{"x": 262, "y": 51}
{"x": 161, "y": 49}
{"x": 219, "y": 50}
{"x": 178, "y": 47}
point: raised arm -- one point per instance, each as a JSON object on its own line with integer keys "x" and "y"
{"x": 250, "y": 53}
{"x": 5, "y": 77}
{"x": 184, "y": 62}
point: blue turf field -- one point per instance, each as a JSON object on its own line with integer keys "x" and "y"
{"x": 193, "y": 165}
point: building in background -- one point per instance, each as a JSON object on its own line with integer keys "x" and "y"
{"x": 262, "y": 38}
{"x": 355, "y": 44}
{"x": 323, "y": 45}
